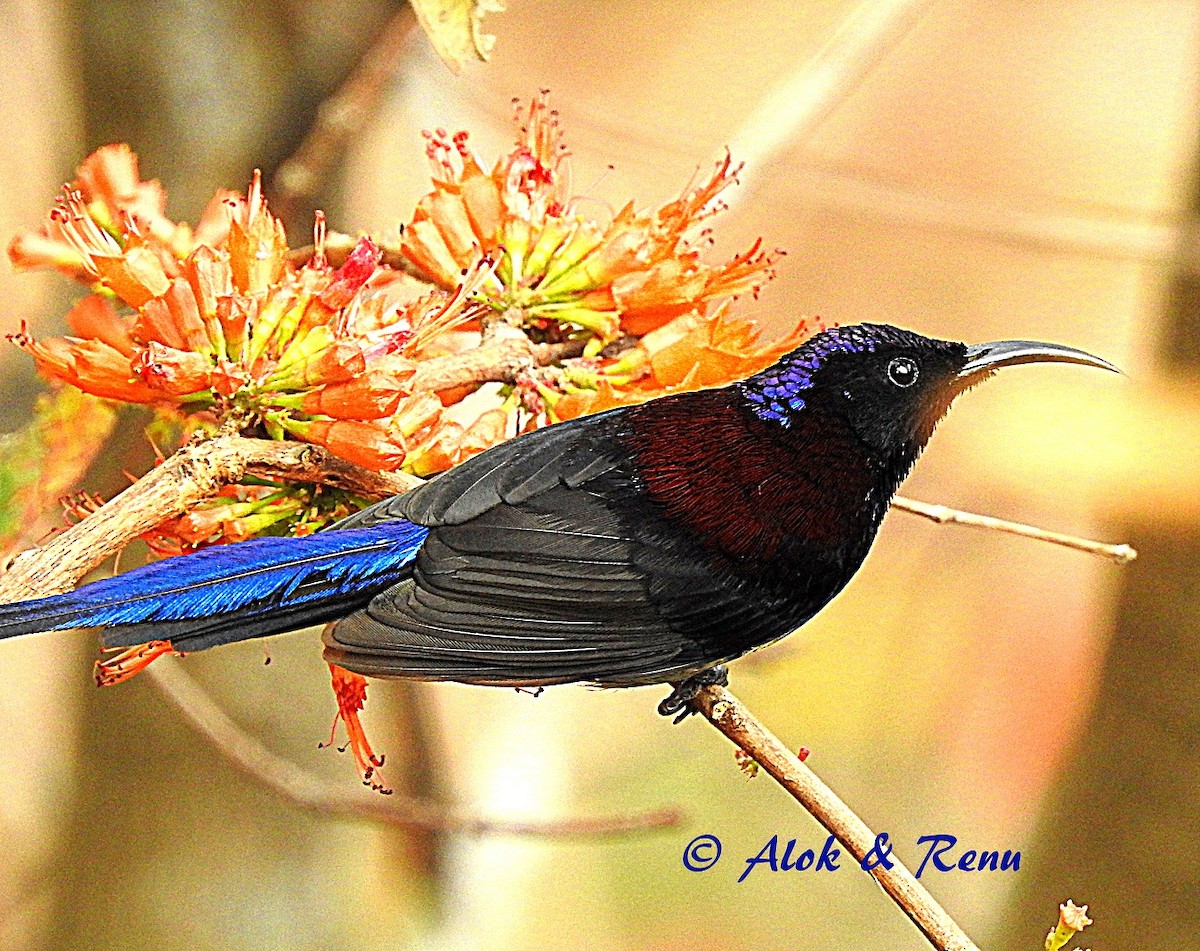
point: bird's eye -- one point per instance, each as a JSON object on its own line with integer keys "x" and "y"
{"x": 902, "y": 371}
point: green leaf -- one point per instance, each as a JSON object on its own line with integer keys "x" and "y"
{"x": 46, "y": 460}
{"x": 454, "y": 28}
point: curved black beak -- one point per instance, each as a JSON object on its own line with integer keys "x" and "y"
{"x": 986, "y": 357}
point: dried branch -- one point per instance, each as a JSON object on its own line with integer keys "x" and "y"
{"x": 731, "y": 717}
{"x": 194, "y": 473}
{"x": 501, "y": 360}
{"x": 308, "y": 792}
{"x": 298, "y": 462}
{"x": 342, "y": 115}
{"x": 1121, "y": 554}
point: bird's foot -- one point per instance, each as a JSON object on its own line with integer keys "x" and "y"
{"x": 685, "y": 691}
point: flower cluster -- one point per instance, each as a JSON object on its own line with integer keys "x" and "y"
{"x": 109, "y": 190}
{"x": 564, "y": 271}
{"x": 225, "y": 326}
{"x": 232, "y": 329}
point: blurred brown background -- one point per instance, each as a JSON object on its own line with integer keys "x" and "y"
{"x": 970, "y": 170}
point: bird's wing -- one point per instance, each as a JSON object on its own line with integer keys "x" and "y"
{"x": 543, "y": 565}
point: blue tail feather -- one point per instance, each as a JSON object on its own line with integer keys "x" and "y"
{"x": 231, "y": 592}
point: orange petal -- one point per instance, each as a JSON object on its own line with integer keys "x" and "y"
{"x": 423, "y": 245}
{"x": 448, "y": 214}
{"x": 210, "y": 277}
{"x": 490, "y": 429}
{"x": 213, "y": 227}
{"x": 95, "y": 316}
{"x": 135, "y": 276}
{"x": 173, "y": 372}
{"x": 481, "y": 198}
{"x": 257, "y": 243}
{"x": 174, "y": 319}
{"x": 648, "y": 299}
{"x": 438, "y": 452}
{"x": 417, "y": 413}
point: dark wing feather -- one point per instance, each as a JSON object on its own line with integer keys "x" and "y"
{"x": 534, "y": 574}
{"x": 513, "y": 472}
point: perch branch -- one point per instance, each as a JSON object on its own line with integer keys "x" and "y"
{"x": 1121, "y": 554}
{"x": 724, "y": 711}
{"x": 308, "y": 792}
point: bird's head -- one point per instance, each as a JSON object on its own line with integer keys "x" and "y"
{"x": 890, "y": 386}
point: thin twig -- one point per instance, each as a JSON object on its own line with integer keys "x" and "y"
{"x": 1121, "y": 554}
{"x": 731, "y": 717}
{"x": 308, "y": 792}
{"x": 342, "y": 115}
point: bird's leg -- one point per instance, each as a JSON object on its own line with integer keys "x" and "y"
{"x": 686, "y": 690}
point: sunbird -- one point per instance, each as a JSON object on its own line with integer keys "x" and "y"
{"x": 647, "y": 544}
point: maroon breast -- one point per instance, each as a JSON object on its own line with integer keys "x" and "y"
{"x": 747, "y": 487}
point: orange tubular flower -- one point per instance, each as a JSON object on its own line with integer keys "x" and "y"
{"x": 351, "y": 693}
{"x": 373, "y": 395}
{"x": 367, "y": 444}
{"x": 559, "y": 267}
{"x": 109, "y": 191}
{"x": 691, "y": 352}
{"x": 231, "y": 327}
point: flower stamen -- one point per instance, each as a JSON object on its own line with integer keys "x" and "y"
{"x": 129, "y": 662}
{"x": 351, "y": 692}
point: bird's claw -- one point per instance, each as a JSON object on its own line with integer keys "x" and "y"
{"x": 685, "y": 692}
